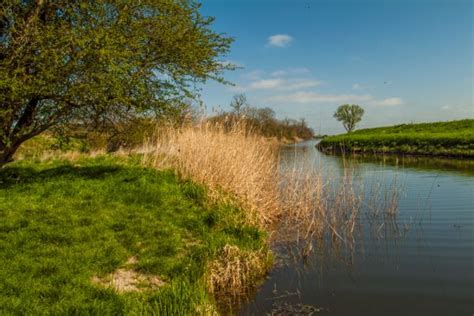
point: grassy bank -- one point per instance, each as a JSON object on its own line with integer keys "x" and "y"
{"x": 174, "y": 227}
{"x": 455, "y": 138}
{"x": 109, "y": 236}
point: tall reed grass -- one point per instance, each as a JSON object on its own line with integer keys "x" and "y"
{"x": 231, "y": 161}
{"x": 294, "y": 203}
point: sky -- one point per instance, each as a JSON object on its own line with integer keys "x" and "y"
{"x": 402, "y": 61}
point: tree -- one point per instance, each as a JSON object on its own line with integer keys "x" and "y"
{"x": 260, "y": 115}
{"x": 99, "y": 61}
{"x": 349, "y": 115}
{"x": 239, "y": 104}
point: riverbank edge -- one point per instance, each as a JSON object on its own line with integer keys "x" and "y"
{"x": 341, "y": 148}
{"x": 216, "y": 296}
{"x": 433, "y": 139}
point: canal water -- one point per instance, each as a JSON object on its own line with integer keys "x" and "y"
{"x": 423, "y": 266}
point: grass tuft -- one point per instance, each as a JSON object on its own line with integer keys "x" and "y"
{"x": 234, "y": 269}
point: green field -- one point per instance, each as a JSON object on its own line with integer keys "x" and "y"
{"x": 66, "y": 225}
{"x": 455, "y": 138}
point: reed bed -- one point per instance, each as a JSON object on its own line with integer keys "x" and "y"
{"x": 231, "y": 162}
{"x": 296, "y": 204}
{"x": 293, "y": 203}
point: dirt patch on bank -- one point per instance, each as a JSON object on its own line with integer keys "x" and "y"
{"x": 126, "y": 279}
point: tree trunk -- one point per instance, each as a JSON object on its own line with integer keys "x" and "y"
{"x": 6, "y": 155}
{"x": 17, "y": 136}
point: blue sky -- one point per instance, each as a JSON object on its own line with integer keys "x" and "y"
{"x": 403, "y": 61}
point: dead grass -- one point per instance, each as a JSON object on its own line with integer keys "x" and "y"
{"x": 294, "y": 204}
{"x": 234, "y": 162}
{"x": 235, "y": 269}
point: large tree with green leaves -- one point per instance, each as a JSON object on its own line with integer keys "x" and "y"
{"x": 98, "y": 61}
{"x": 349, "y": 115}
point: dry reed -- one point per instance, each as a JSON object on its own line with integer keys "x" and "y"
{"x": 295, "y": 204}
{"x": 231, "y": 161}
{"x": 235, "y": 269}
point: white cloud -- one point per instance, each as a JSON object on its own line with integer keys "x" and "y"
{"x": 290, "y": 71}
{"x": 312, "y": 97}
{"x": 301, "y": 84}
{"x": 253, "y": 75}
{"x": 278, "y": 84}
{"x": 265, "y": 84}
{"x": 279, "y": 73}
{"x": 280, "y": 40}
{"x": 358, "y": 86}
{"x": 387, "y": 102}
{"x": 458, "y": 111}
{"x": 236, "y": 88}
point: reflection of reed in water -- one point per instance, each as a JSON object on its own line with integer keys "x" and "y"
{"x": 335, "y": 214}
{"x": 295, "y": 204}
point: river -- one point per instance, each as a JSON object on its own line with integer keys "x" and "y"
{"x": 426, "y": 268}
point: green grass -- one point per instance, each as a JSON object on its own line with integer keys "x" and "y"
{"x": 61, "y": 223}
{"x": 35, "y": 147}
{"x": 455, "y": 138}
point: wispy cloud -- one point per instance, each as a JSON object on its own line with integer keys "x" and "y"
{"x": 313, "y": 97}
{"x": 387, "y": 102}
{"x": 358, "y": 86}
{"x": 265, "y": 84}
{"x": 290, "y": 71}
{"x": 253, "y": 75}
{"x": 457, "y": 111}
{"x": 301, "y": 84}
{"x": 280, "y": 40}
{"x": 293, "y": 85}
{"x": 278, "y": 84}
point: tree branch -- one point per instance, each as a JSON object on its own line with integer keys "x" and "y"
{"x": 26, "y": 118}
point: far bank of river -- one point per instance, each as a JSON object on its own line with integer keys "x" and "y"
{"x": 448, "y": 139}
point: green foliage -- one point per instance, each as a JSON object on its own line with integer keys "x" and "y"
{"x": 62, "y": 223}
{"x": 455, "y": 138}
{"x": 349, "y": 115}
{"x": 99, "y": 62}
{"x": 129, "y": 134}
{"x": 39, "y": 145}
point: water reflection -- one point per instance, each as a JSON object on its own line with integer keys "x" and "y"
{"x": 438, "y": 164}
{"x": 417, "y": 260}
{"x": 303, "y": 151}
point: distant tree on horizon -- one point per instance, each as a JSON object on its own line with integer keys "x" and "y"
{"x": 239, "y": 104}
{"x": 349, "y": 115}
